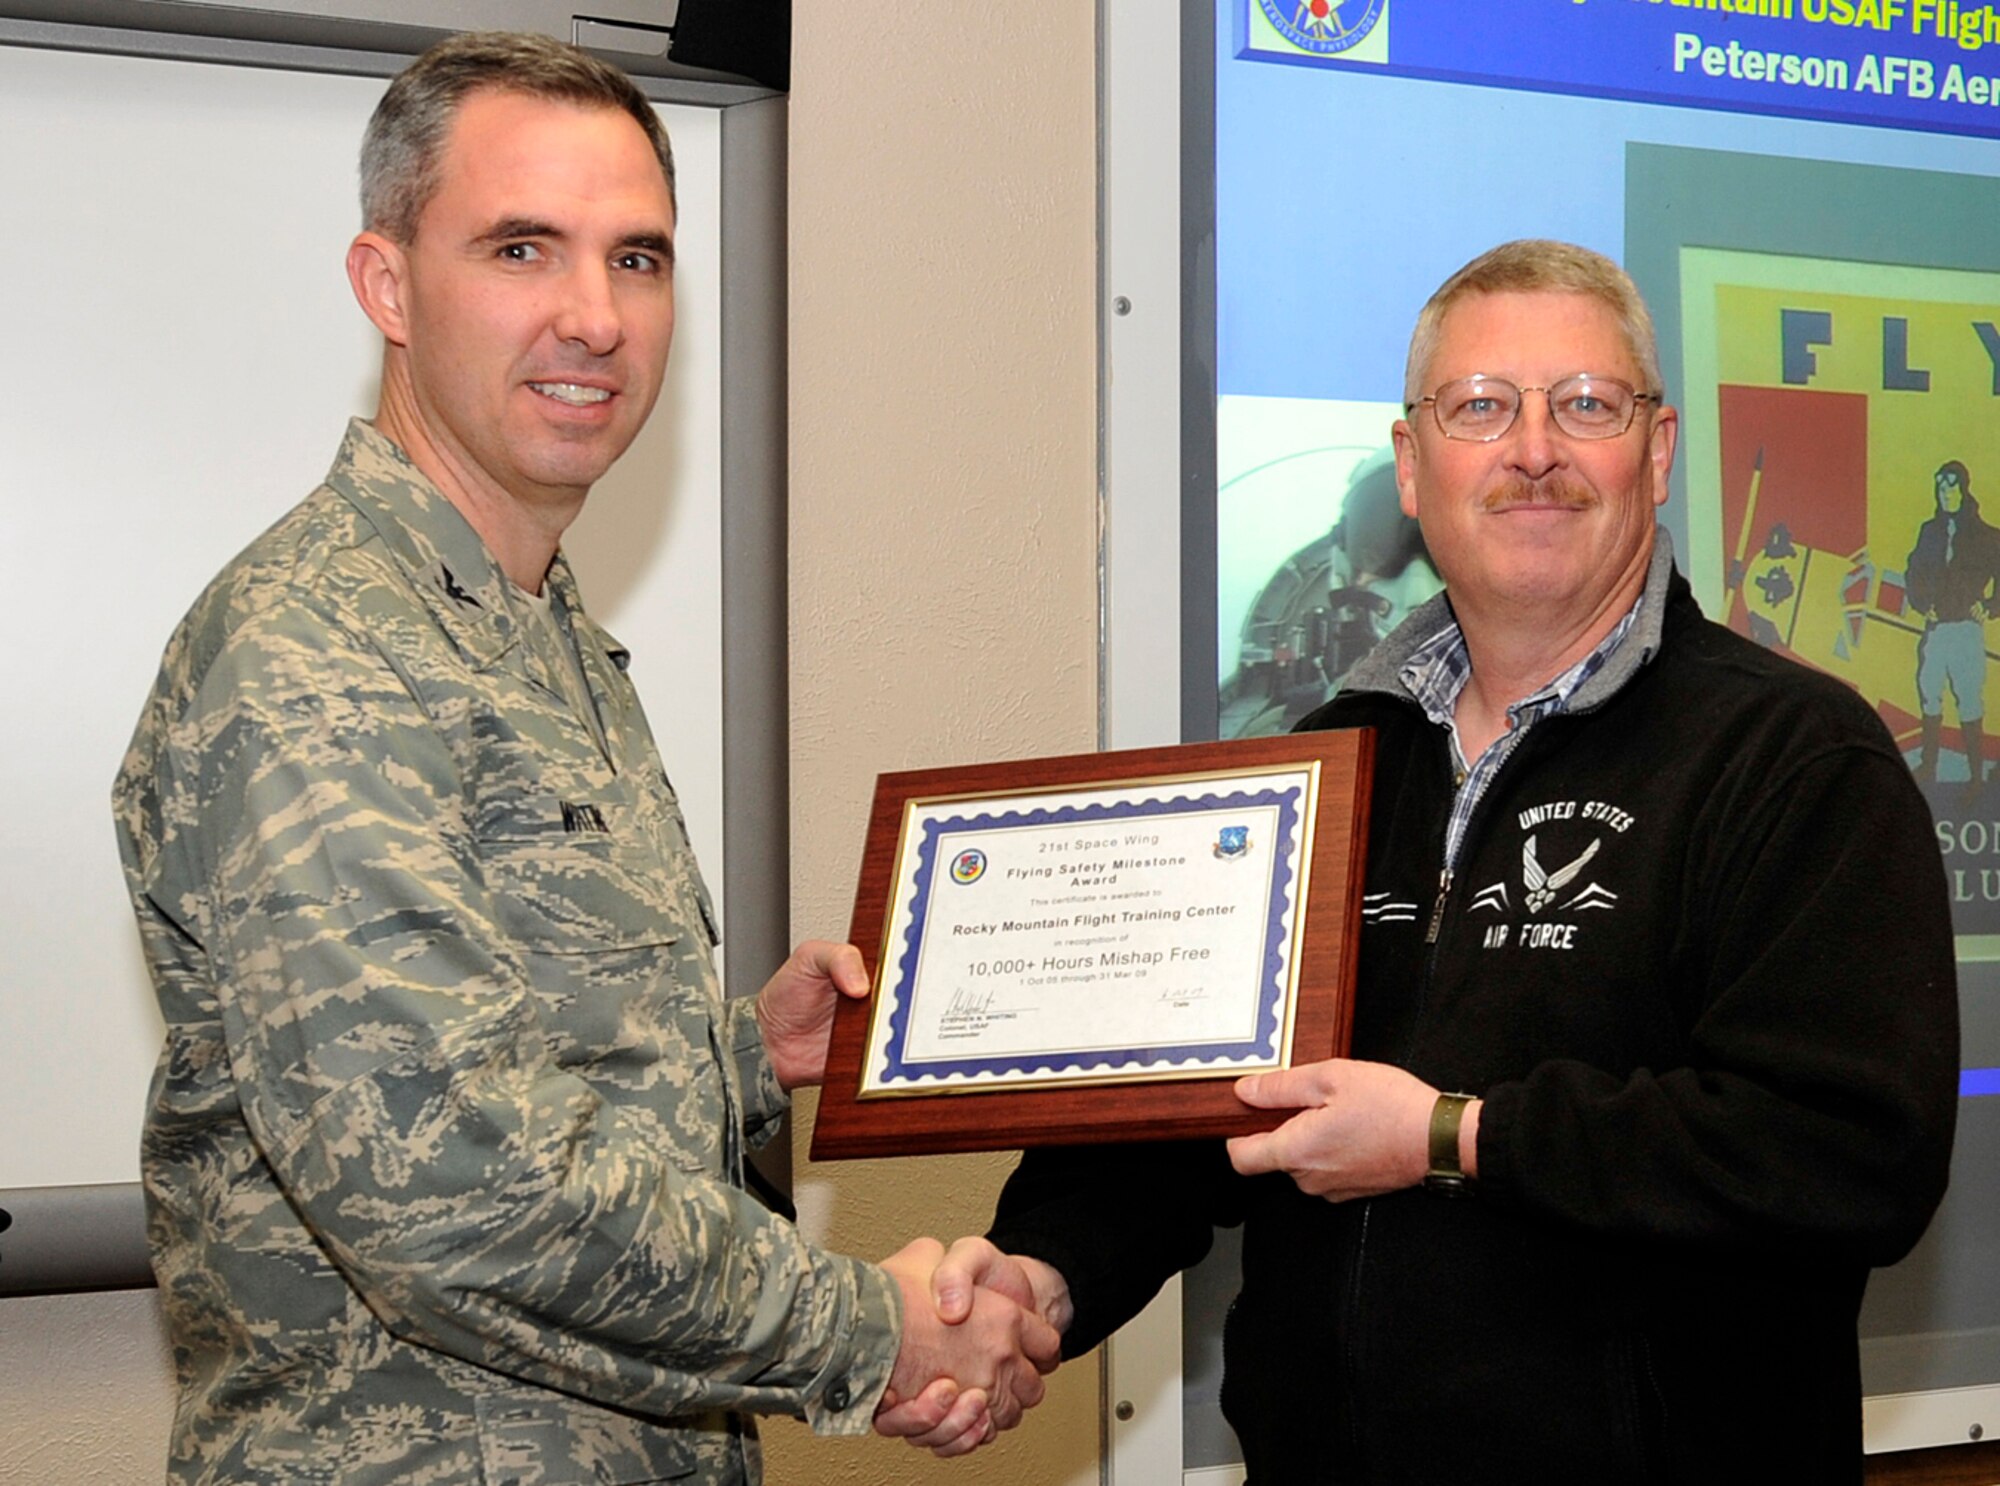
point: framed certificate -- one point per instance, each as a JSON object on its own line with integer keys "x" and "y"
{"x": 1093, "y": 948}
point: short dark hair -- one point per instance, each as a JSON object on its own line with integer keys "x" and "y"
{"x": 1533, "y": 265}
{"x": 406, "y": 134}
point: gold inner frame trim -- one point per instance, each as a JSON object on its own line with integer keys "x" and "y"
{"x": 878, "y": 1008}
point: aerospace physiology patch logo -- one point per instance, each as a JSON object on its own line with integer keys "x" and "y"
{"x": 1326, "y": 28}
{"x": 968, "y": 866}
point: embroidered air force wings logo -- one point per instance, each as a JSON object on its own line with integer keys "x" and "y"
{"x": 1545, "y": 887}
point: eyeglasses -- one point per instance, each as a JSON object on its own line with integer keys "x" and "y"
{"x": 1480, "y": 408}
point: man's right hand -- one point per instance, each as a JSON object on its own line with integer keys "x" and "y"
{"x": 993, "y": 1347}
{"x": 973, "y": 1263}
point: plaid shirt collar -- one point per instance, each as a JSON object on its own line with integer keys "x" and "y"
{"x": 1436, "y": 672}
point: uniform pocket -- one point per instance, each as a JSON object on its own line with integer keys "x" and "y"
{"x": 603, "y": 933}
{"x": 574, "y": 875}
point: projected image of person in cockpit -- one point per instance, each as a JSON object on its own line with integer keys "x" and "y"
{"x": 1325, "y": 605}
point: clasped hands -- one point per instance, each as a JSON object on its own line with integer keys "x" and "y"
{"x": 977, "y": 1332}
{"x": 980, "y": 1328}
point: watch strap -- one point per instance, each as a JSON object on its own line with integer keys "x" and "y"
{"x": 1446, "y": 1174}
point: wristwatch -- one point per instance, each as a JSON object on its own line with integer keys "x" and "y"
{"x": 1445, "y": 1174}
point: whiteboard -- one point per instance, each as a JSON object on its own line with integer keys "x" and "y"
{"x": 184, "y": 353}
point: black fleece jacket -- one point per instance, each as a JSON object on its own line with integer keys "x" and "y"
{"x": 1719, "y": 1061}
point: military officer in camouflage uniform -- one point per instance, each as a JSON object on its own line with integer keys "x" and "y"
{"x": 443, "y": 1156}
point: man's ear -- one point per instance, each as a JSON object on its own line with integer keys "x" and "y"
{"x": 379, "y": 271}
{"x": 1661, "y": 440}
{"x": 1404, "y": 438}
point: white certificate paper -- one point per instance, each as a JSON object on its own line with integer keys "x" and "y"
{"x": 1137, "y": 931}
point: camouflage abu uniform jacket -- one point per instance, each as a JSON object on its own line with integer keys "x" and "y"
{"x": 441, "y": 1156}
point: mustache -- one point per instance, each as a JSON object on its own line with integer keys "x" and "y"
{"x": 1554, "y": 491}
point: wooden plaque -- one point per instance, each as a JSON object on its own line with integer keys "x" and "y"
{"x": 1099, "y": 1104}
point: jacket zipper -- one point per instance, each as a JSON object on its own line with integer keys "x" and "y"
{"x": 1431, "y": 932}
{"x": 1437, "y": 909}
{"x": 1356, "y": 1438}
{"x": 1356, "y": 1441}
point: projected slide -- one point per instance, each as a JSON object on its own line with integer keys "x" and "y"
{"x": 1807, "y": 191}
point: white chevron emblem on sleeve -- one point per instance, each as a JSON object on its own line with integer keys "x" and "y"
{"x": 1380, "y": 908}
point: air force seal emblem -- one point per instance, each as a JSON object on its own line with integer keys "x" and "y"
{"x": 1232, "y": 842}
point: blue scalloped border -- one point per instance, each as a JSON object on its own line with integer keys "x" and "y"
{"x": 897, "y": 1071}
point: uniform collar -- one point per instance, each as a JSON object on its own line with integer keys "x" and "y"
{"x": 562, "y": 583}
{"x": 443, "y": 557}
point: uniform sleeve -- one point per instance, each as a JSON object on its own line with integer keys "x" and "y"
{"x": 764, "y": 1098}
{"x": 396, "y": 1067}
{"x": 1116, "y": 1222}
{"x": 1819, "y": 1090}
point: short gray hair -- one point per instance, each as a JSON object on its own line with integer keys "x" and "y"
{"x": 399, "y": 152}
{"x": 1534, "y": 265}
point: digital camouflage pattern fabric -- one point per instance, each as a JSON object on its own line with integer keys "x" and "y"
{"x": 443, "y": 1153}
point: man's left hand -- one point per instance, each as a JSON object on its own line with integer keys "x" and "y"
{"x": 1364, "y": 1128}
{"x": 795, "y": 1008}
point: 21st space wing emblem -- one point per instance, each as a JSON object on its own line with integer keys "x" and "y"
{"x": 1232, "y": 842}
{"x": 1543, "y": 887}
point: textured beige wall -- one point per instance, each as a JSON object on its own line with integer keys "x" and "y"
{"x": 943, "y": 527}
{"x": 86, "y": 1390}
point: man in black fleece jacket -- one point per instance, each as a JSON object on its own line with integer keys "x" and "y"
{"x": 1655, "y": 1048}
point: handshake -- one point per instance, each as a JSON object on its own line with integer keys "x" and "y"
{"x": 980, "y": 1328}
